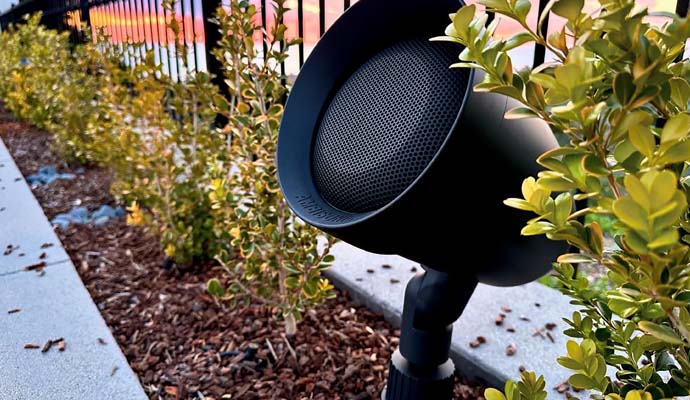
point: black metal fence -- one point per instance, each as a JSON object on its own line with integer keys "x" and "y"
{"x": 145, "y": 21}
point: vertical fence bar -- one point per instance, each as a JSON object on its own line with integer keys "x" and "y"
{"x": 300, "y": 30}
{"x": 145, "y": 32}
{"x": 122, "y": 28}
{"x": 264, "y": 12}
{"x": 192, "y": 16}
{"x": 115, "y": 27}
{"x": 212, "y": 36}
{"x": 172, "y": 51}
{"x": 682, "y": 11}
{"x": 134, "y": 19}
{"x": 181, "y": 58}
{"x": 283, "y": 75}
{"x": 163, "y": 37}
{"x": 540, "y": 51}
{"x": 346, "y": 4}
{"x": 153, "y": 25}
{"x": 85, "y": 14}
{"x": 127, "y": 24}
{"x": 322, "y": 17}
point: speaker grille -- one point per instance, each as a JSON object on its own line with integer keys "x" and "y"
{"x": 386, "y": 123}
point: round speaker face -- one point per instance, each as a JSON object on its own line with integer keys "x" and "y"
{"x": 385, "y": 124}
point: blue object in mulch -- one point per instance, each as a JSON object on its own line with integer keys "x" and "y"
{"x": 81, "y": 215}
{"x": 47, "y": 175}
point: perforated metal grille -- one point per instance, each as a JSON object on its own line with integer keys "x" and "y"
{"x": 386, "y": 123}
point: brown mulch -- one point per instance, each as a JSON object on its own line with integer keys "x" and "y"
{"x": 184, "y": 344}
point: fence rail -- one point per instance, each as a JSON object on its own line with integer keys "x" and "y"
{"x": 144, "y": 21}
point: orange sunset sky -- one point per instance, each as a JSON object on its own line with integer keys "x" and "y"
{"x": 148, "y": 24}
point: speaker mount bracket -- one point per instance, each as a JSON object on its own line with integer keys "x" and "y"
{"x": 421, "y": 368}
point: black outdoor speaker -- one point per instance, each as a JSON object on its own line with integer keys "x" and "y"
{"x": 379, "y": 146}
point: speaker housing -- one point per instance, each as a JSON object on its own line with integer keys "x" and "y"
{"x": 419, "y": 222}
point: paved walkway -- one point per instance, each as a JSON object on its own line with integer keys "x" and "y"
{"x": 49, "y": 305}
{"x": 533, "y": 306}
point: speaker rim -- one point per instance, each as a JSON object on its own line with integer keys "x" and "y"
{"x": 294, "y": 152}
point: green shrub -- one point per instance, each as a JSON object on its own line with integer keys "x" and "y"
{"x": 162, "y": 145}
{"x": 281, "y": 261}
{"x": 34, "y": 61}
{"x": 614, "y": 77}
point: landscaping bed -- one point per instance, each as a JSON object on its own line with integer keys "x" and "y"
{"x": 185, "y": 344}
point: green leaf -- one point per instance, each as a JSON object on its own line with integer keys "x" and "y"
{"x": 517, "y": 40}
{"x": 462, "y": 19}
{"x": 581, "y": 381}
{"x": 537, "y": 228}
{"x": 643, "y": 139}
{"x": 522, "y": 8}
{"x": 667, "y": 238}
{"x": 662, "y": 189}
{"x": 661, "y": 332}
{"x": 520, "y": 204}
{"x": 568, "y": 75}
{"x": 564, "y": 205}
{"x": 678, "y": 152}
{"x": 680, "y": 92}
{"x": 557, "y": 183}
{"x": 624, "y": 308}
{"x": 568, "y": 9}
{"x": 630, "y": 213}
{"x": 520, "y": 113}
{"x": 623, "y": 87}
{"x": 676, "y": 128}
{"x": 215, "y": 288}
{"x": 493, "y": 394}
{"x": 569, "y": 363}
{"x": 595, "y": 166}
{"x": 637, "y": 191}
{"x": 574, "y": 258}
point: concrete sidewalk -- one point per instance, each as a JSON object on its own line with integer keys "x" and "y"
{"x": 532, "y": 306}
{"x": 52, "y": 304}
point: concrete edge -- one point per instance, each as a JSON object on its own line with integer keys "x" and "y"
{"x": 64, "y": 306}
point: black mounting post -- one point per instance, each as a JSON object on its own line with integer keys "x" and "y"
{"x": 421, "y": 368}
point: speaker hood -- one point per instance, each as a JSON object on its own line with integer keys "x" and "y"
{"x": 451, "y": 197}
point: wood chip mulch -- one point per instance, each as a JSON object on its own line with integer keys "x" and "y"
{"x": 182, "y": 343}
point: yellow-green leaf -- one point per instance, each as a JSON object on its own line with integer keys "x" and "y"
{"x": 520, "y": 204}
{"x": 537, "y": 228}
{"x": 581, "y": 381}
{"x": 493, "y": 394}
{"x": 630, "y": 213}
{"x": 568, "y": 9}
{"x": 642, "y": 138}
{"x": 574, "y": 258}
{"x": 676, "y": 128}
{"x": 661, "y": 332}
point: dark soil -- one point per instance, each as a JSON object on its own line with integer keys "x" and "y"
{"x": 184, "y": 344}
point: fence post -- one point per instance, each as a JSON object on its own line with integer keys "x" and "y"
{"x": 211, "y": 38}
{"x": 85, "y": 17}
{"x": 84, "y": 12}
